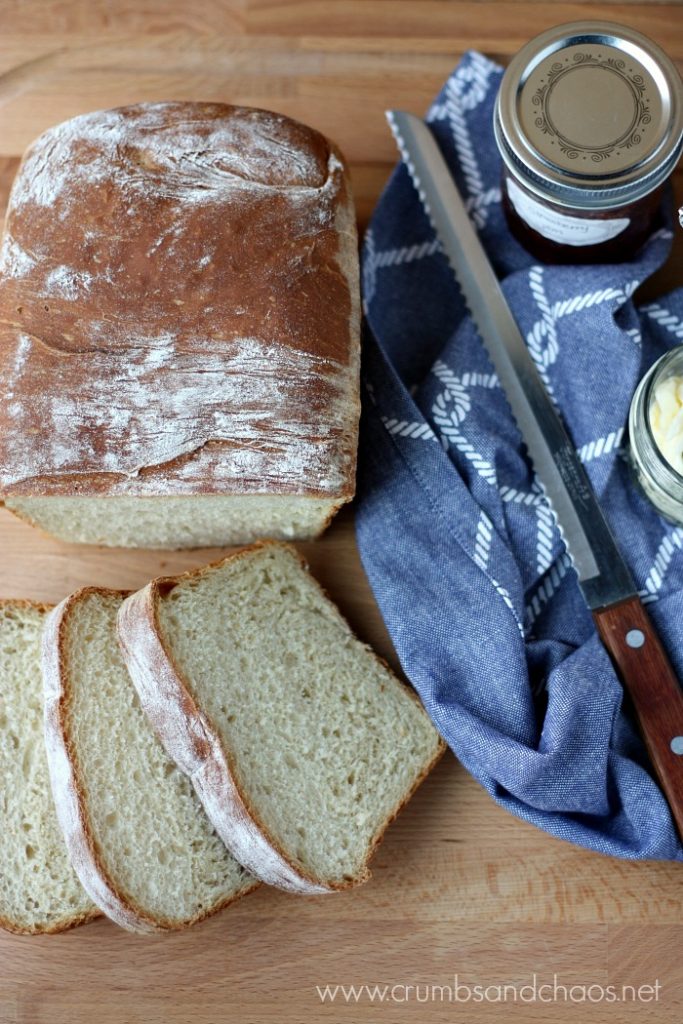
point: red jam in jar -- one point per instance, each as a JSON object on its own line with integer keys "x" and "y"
{"x": 589, "y": 123}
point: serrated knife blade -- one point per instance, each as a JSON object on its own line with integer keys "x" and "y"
{"x": 602, "y": 572}
{"x": 604, "y": 577}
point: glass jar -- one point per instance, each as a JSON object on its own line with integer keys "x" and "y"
{"x": 589, "y": 123}
{"x": 661, "y": 483}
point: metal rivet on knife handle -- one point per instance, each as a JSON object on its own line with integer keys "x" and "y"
{"x": 654, "y": 691}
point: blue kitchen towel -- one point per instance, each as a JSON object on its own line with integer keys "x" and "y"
{"x": 456, "y": 538}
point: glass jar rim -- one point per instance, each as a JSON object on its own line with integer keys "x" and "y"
{"x": 569, "y": 188}
{"x": 652, "y": 377}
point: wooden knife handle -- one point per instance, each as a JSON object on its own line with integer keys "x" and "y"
{"x": 656, "y": 694}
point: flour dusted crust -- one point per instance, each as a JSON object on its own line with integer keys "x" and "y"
{"x": 191, "y": 740}
{"x": 67, "y": 790}
{"x": 179, "y": 308}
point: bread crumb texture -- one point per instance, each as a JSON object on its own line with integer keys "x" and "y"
{"x": 155, "y": 847}
{"x": 325, "y": 743}
{"x": 39, "y": 891}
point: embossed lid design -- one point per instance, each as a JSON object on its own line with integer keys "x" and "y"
{"x": 591, "y": 115}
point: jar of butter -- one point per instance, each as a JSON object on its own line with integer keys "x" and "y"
{"x": 589, "y": 123}
{"x": 656, "y": 434}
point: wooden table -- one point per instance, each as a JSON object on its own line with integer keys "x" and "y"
{"x": 459, "y": 886}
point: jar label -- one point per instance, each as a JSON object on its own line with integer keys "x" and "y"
{"x": 561, "y": 227}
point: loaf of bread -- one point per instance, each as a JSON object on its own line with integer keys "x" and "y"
{"x": 179, "y": 320}
{"x": 136, "y": 833}
{"x": 300, "y": 743}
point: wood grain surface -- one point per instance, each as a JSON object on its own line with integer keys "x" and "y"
{"x": 459, "y": 887}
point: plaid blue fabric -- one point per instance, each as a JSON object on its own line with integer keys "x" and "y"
{"x": 456, "y": 538}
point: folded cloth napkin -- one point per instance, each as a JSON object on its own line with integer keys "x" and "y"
{"x": 455, "y": 535}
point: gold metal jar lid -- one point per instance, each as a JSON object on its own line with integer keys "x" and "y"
{"x": 590, "y": 115}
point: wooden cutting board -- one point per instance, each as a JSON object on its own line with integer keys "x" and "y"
{"x": 459, "y": 887}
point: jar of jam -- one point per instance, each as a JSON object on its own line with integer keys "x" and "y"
{"x": 656, "y": 434}
{"x": 589, "y": 123}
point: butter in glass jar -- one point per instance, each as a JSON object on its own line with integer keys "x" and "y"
{"x": 589, "y": 123}
{"x": 656, "y": 435}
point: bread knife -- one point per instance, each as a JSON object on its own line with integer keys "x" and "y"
{"x": 606, "y": 583}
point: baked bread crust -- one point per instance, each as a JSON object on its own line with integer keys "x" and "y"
{"x": 73, "y": 920}
{"x": 65, "y": 925}
{"x": 68, "y": 789}
{"x": 188, "y": 273}
{"x": 193, "y": 742}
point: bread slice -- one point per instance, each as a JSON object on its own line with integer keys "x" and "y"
{"x": 301, "y": 744}
{"x": 136, "y": 833}
{"x": 39, "y": 891}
